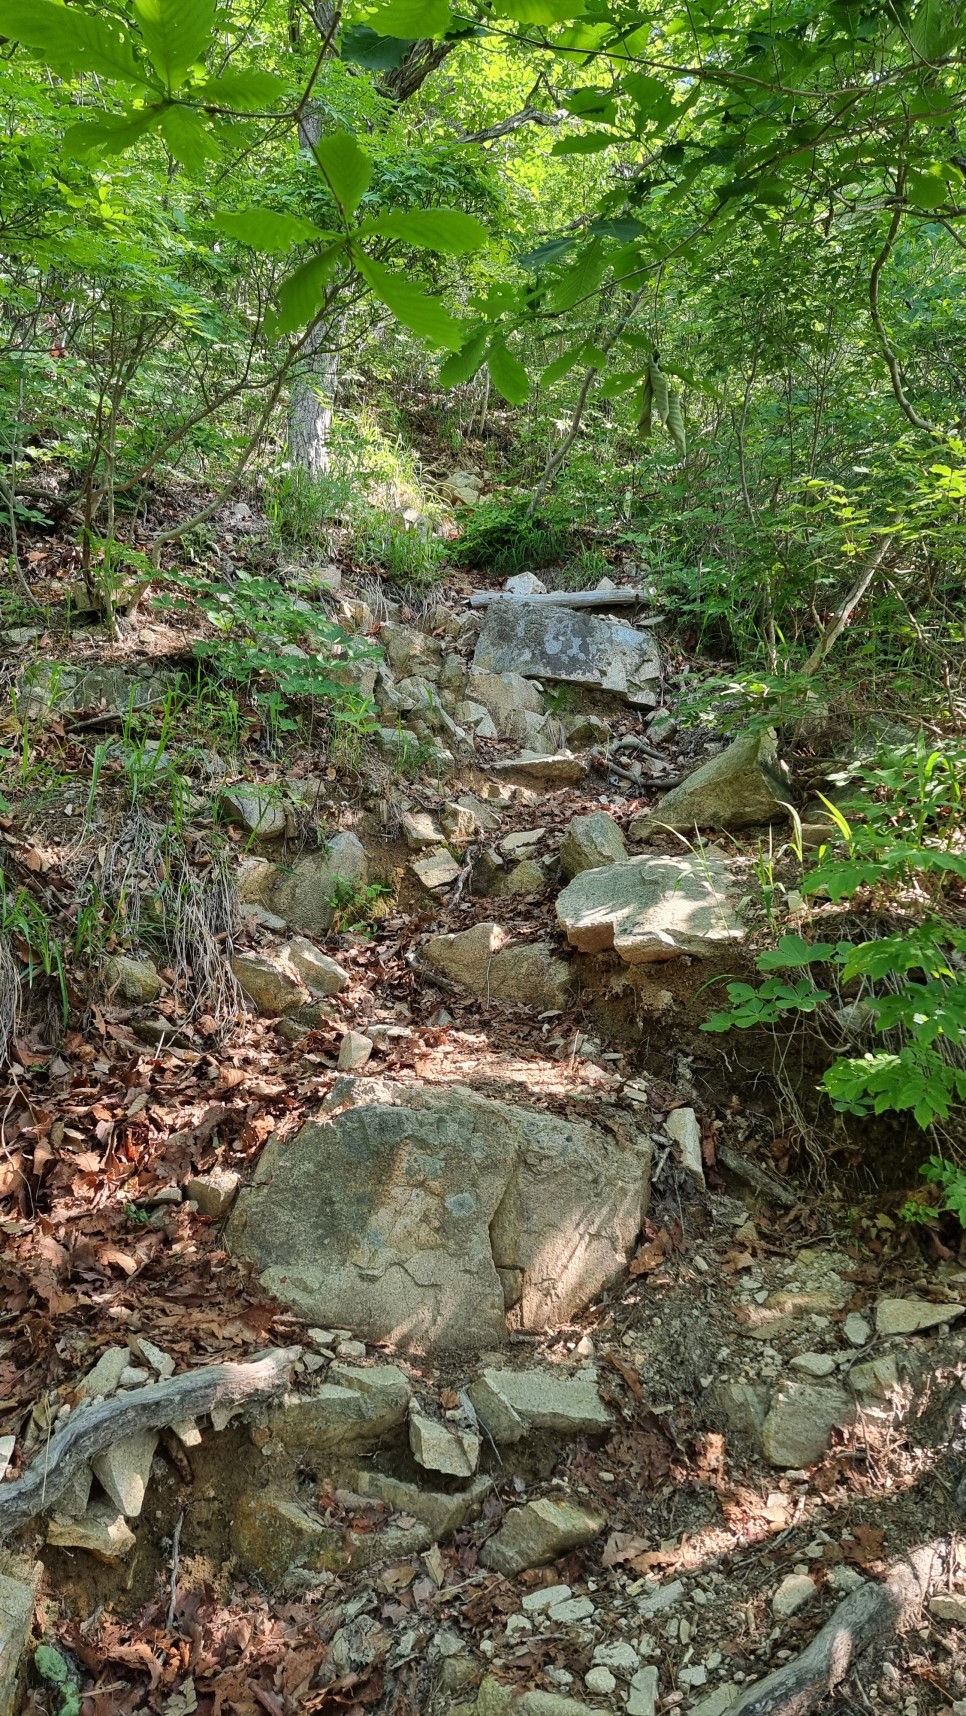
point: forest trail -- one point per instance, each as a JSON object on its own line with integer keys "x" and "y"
{"x": 585, "y": 1400}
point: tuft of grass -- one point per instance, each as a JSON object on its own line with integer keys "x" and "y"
{"x": 499, "y": 537}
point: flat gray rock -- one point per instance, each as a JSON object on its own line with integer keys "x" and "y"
{"x": 540, "y": 1532}
{"x": 417, "y": 1215}
{"x": 17, "y": 1598}
{"x": 650, "y": 909}
{"x": 577, "y": 648}
{"x": 510, "y": 1401}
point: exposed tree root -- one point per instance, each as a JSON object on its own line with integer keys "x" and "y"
{"x": 92, "y": 1428}
{"x": 871, "y": 1616}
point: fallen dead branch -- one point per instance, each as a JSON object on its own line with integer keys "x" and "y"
{"x": 870, "y": 1616}
{"x": 92, "y": 1428}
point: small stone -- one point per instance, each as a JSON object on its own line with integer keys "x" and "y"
{"x": 7, "y": 1446}
{"x": 814, "y": 1364}
{"x": 599, "y": 1680}
{"x": 547, "y": 1597}
{"x": 718, "y": 1701}
{"x": 949, "y": 1606}
{"x": 792, "y": 1594}
{"x": 682, "y": 1126}
{"x": 800, "y": 1421}
{"x": 106, "y": 1374}
{"x": 459, "y": 824}
{"x": 419, "y": 829}
{"x": 351, "y": 1349}
{"x": 642, "y": 1694}
{"x": 443, "y": 1514}
{"x": 123, "y": 1470}
{"x": 591, "y": 841}
{"x": 356, "y": 1406}
{"x": 103, "y": 1532}
{"x": 354, "y": 1051}
{"x": 664, "y": 1598}
{"x": 509, "y": 1401}
{"x": 258, "y": 809}
{"x": 571, "y": 1610}
{"x": 132, "y": 1376}
{"x": 523, "y": 844}
{"x": 697, "y": 1675}
{"x": 909, "y": 1316}
{"x": 272, "y": 984}
{"x": 436, "y": 871}
{"x": 214, "y": 1192}
{"x": 538, "y": 1533}
{"x": 518, "y": 1626}
{"x": 132, "y": 979}
{"x": 161, "y": 1362}
{"x": 844, "y": 1579}
{"x": 525, "y": 584}
{"x": 323, "y": 975}
{"x": 856, "y": 1330}
{"x": 187, "y": 1432}
{"x": 877, "y": 1377}
{"x": 558, "y": 769}
{"x": 618, "y": 1655}
{"x": 437, "y": 1448}
{"x": 527, "y": 877}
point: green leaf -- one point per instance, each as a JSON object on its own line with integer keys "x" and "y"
{"x": 540, "y": 11}
{"x": 188, "y": 138}
{"x": 581, "y": 278}
{"x": 463, "y": 365}
{"x": 412, "y": 18}
{"x": 927, "y": 190}
{"x": 300, "y": 296}
{"x": 176, "y": 34}
{"x": 112, "y": 133}
{"x": 622, "y": 381}
{"x": 933, "y": 31}
{"x": 428, "y": 317}
{"x": 561, "y": 366}
{"x": 361, "y": 46}
{"x": 585, "y": 143}
{"x": 507, "y": 373}
{"x": 794, "y": 950}
{"x": 446, "y": 230}
{"x": 72, "y": 40}
{"x": 345, "y": 167}
{"x": 247, "y": 90}
{"x": 269, "y": 229}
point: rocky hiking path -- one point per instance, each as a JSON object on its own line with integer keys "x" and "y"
{"x": 403, "y": 1305}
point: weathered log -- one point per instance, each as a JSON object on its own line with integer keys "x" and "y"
{"x": 620, "y": 598}
{"x": 94, "y": 1426}
{"x": 869, "y": 1617}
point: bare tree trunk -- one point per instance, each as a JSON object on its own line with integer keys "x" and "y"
{"x": 311, "y": 404}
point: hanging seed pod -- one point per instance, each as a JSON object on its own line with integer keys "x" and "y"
{"x": 644, "y": 423}
{"x": 658, "y": 382}
{"x": 675, "y": 421}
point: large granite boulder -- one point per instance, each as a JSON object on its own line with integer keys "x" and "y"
{"x": 650, "y": 909}
{"x": 741, "y": 787}
{"x": 575, "y": 646}
{"x": 419, "y": 1216}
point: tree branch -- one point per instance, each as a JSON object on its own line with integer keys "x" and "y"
{"x": 892, "y": 362}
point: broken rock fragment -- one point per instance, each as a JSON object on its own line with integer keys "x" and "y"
{"x": 540, "y": 1532}
{"x": 800, "y": 1421}
{"x": 910, "y": 1316}
{"x": 509, "y": 1402}
{"x": 355, "y": 1408}
{"x": 527, "y": 973}
{"x": 214, "y": 1193}
{"x": 271, "y": 984}
{"x": 440, "y": 1448}
{"x": 123, "y": 1470}
{"x": 591, "y": 842}
{"x": 650, "y": 909}
{"x": 103, "y": 1532}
